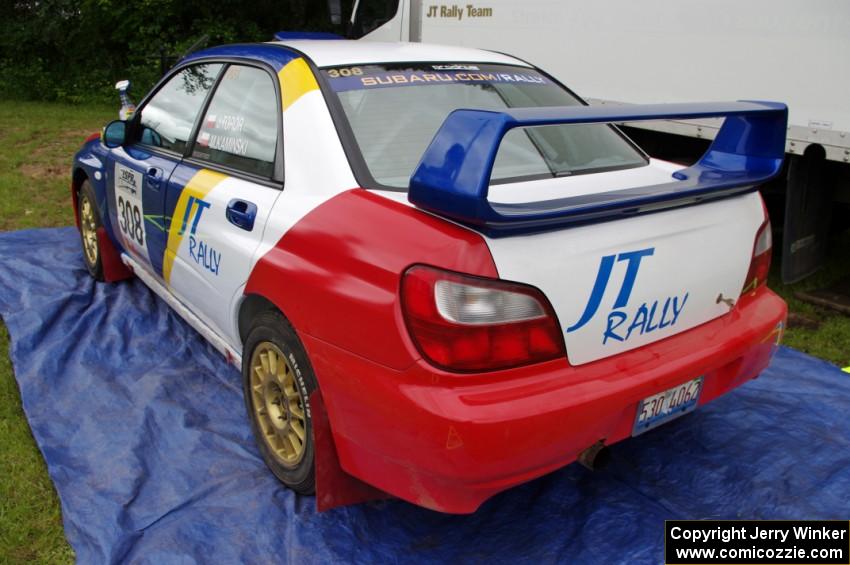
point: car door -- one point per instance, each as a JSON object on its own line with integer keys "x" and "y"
{"x": 221, "y": 196}
{"x": 139, "y": 173}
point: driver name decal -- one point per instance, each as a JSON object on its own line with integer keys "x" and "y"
{"x": 224, "y": 133}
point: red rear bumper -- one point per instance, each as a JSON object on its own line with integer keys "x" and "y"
{"x": 449, "y": 442}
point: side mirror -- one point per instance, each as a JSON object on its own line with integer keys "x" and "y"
{"x": 114, "y": 134}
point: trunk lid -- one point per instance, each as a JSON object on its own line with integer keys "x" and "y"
{"x": 620, "y": 284}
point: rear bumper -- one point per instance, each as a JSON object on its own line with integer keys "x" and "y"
{"x": 449, "y": 442}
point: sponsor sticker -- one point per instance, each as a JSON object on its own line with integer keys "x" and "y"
{"x": 366, "y": 78}
{"x": 455, "y": 67}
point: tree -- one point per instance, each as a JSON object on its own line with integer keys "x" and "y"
{"x": 76, "y": 50}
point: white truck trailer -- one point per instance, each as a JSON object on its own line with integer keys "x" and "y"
{"x": 626, "y": 52}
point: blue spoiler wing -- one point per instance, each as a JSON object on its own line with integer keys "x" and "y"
{"x": 453, "y": 177}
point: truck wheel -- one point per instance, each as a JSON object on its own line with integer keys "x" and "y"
{"x": 278, "y": 380}
{"x": 89, "y": 222}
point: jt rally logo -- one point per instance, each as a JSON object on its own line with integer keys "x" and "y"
{"x": 200, "y": 252}
{"x": 622, "y": 321}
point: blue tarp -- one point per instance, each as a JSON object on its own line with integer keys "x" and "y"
{"x": 143, "y": 429}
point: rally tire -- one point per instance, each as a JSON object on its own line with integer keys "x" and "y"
{"x": 90, "y": 221}
{"x": 277, "y": 418}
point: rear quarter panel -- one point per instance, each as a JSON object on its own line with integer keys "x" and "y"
{"x": 336, "y": 274}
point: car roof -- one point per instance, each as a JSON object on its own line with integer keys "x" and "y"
{"x": 329, "y": 53}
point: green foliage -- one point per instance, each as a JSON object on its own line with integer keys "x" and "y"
{"x": 75, "y": 50}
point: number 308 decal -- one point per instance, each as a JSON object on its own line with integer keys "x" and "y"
{"x": 130, "y": 218}
{"x": 128, "y": 200}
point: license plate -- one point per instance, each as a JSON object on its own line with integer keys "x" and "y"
{"x": 667, "y": 405}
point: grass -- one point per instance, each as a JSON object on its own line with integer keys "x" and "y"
{"x": 37, "y": 142}
{"x": 830, "y": 338}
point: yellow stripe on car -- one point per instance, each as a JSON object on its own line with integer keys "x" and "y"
{"x": 296, "y": 80}
{"x": 198, "y": 186}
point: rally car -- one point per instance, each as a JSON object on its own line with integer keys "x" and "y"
{"x": 440, "y": 271}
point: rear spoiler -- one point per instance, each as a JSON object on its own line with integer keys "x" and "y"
{"x": 453, "y": 177}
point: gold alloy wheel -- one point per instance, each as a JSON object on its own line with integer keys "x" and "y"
{"x": 278, "y": 405}
{"x": 88, "y": 226}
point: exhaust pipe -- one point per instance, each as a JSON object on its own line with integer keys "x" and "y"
{"x": 595, "y": 457}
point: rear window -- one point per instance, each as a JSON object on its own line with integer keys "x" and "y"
{"x": 395, "y": 110}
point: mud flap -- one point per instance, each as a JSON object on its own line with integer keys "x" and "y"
{"x": 808, "y": 209}
{"x": 334, "y": 487}
{"x": 114, "y": 269}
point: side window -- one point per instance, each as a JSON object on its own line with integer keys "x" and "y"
{"x": 240, "y": 127}
{"x": 167, "y": 119}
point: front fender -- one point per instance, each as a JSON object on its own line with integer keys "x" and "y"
{"x": 90, "y": 164}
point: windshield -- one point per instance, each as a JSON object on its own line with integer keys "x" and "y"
{"x": 395, "y": 110}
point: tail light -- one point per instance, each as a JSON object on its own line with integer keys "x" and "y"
{"x": 465, "y": 323}
{"x": 762, "y": 251}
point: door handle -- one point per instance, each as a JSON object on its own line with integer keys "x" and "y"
{"x": 241, "y": 214}
{"x": 154, "y": 178}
